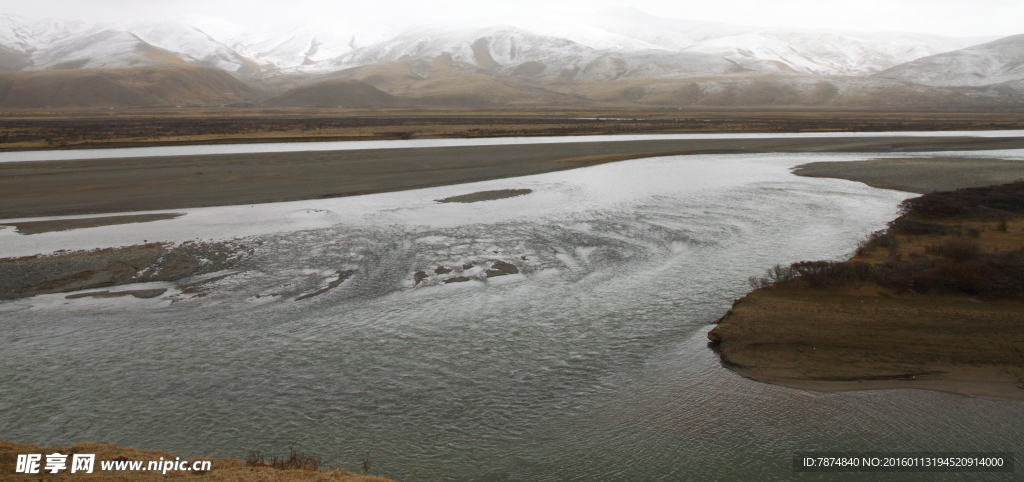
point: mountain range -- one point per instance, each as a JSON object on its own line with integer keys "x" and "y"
{"x": 614, "y": 56}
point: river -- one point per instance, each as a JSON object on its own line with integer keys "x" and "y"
{"x": 591, "y": 363}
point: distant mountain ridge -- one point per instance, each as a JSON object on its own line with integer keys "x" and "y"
{"x": 560, "y": 42}
{"x": 616, "y": 57}
{"x": 996, "y": 63}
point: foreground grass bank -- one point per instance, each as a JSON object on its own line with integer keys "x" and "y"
{"x": 296, "y": 467}
{"x": 935, "y": 301}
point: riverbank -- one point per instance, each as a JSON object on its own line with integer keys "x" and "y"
{"x": 933, "y": 302}
{"x": 295, "y": 467}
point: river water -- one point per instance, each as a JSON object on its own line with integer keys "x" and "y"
{"x": 591, "y": 363}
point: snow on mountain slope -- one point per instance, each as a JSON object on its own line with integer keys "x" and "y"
{"x": 49, "y": 44}
{"x": 580, "y": 30}
{"x": 219, "y": 30}
{"x": 609, "y": 44}
{"x": 27, "y": 35}
{"x": 667, "y": 33}
{"x": 187, "y": 38}
{"x": 487, "y": 48}
{"x": 997, "y": 62}
{"x": 821, "y": 52}
{"x": 296, "y": 45}
{"x": 101, "y": 48}
{"x": 801, "y": 50}
{"x": 514, "y": 51}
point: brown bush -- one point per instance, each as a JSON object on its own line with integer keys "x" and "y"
{"x": 992, "y": 202}
{"x": 294, "y": 461}
{"x": 958, "y": 249}
{"x": 994, "y": 275}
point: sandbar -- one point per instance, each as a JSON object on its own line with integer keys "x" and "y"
{"x": 93, "y": 186}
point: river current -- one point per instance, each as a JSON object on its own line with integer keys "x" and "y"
{"x": 590, "y": 363}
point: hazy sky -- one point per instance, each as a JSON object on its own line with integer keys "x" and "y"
{"x": 947, "y": 17}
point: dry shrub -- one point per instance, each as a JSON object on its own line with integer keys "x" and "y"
{"x": 992, "y": 275}
{"x": 992, "y": 202}
{"x": 883, "y": 239}
{"x": 961, "y": 267}
{"x": 904, "y": 225}
{"x": 294, "y": 461}
{"x": 957, "y": 249}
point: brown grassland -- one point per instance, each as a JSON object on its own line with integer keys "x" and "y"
{"x": 49, "y": 129}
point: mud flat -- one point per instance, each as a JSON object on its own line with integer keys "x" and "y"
{"x": 920, "y": 175}
{"x": 936, "y": 301}
{"x": 83, "y": 270}
{"x": 37, "y": 227}
{"x": 91, "y": 186}
{"x": 486, "y": 196}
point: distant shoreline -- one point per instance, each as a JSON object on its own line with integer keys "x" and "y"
{"x": 96, "y": 129}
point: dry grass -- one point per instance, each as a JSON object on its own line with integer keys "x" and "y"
{"x": 39, "y": 129}
{"x": 294, "y": 468}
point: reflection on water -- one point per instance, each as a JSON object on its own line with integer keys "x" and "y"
{"x": 589, "y": 364}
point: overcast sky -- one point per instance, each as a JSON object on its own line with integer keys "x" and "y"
{"x": 946, "y": 17}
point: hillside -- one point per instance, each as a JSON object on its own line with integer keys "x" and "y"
{"x": 611, "y": 59}
{"x": 120, "y": 88}
{"x": 445, "y": 82}
{"x": 561, "y": 41}
{"x": 989, "y": 64}
{"x": 335, "y": 93}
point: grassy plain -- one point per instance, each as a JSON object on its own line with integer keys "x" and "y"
{"x": 43, "y": 129}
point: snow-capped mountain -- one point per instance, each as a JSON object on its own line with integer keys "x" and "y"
{"x": 569, "y": 41}
{"x": 100, "y": 48}
{"x": 25, "y": 35}
{"x": 307, "y": 44}
{"x": 667, "y": 33}
{"x": 53, "y": 44}
{"x": 514, "y": 51}
{"x": 197, "y": 40}
{"x": 607, "y": 45}
{"x": 829, "y": 52}
{"x": 997, "y": 62}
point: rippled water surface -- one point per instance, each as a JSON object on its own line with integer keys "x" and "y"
{"x": 589, "y": 364}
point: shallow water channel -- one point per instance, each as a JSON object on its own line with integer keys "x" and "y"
{"x": 590, "y": 363}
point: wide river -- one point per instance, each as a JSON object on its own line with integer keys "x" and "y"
{"x": 590, "y": 364}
